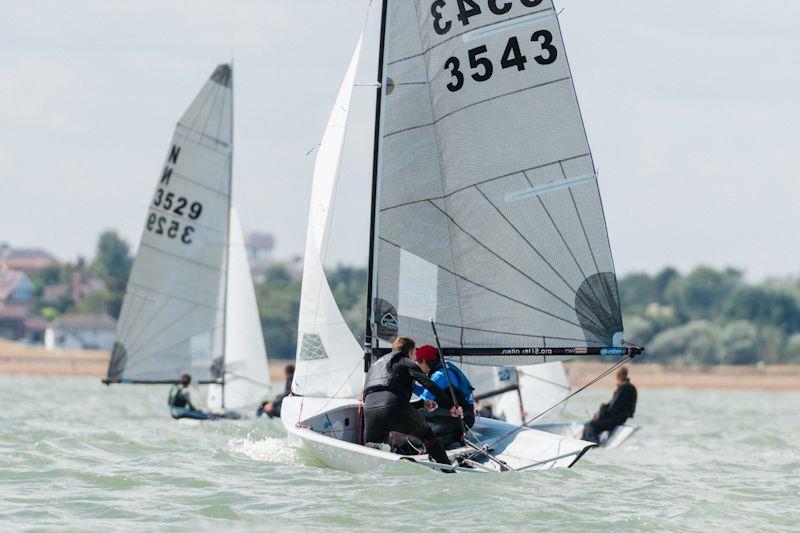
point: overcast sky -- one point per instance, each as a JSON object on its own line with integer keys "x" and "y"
{"x": 691, "y": 109}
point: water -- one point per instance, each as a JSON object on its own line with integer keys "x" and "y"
{"x": 78, "y": 455}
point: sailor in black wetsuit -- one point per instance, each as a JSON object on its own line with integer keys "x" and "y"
{"x": 180, "y": 403}
{"x": 387, "y": 392}
{"x": 614, "y": 413}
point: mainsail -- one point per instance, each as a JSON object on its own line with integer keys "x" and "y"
{"x": 173, "y": 316}
{"x": 488, "y": 216}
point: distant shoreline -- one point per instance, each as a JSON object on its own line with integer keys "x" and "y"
{"x": 35, "y": 360}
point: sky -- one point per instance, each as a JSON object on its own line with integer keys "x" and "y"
{"x": 690, "y": 106}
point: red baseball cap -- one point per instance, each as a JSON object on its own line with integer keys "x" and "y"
{"x": 427, "y": 353}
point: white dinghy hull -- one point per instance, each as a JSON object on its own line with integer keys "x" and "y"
{"x": 327, "y": 429}
{"x": 574, "y": 430}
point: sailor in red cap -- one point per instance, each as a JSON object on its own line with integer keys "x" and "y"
{"x": 447, "y": 428}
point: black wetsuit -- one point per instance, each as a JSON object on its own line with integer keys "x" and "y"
{"x": 446, "y": 427}
{"x": 180, "y": 405}
{"x": 387, "y": 407}
{"x": 621, "y": 407}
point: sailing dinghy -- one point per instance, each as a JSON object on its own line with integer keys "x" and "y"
{"x": 484, "y": 214}
{"x": 190, "y": 305}
{"x": 520, "y": 394}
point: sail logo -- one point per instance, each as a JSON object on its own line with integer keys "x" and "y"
{"x": 389, "y": 321}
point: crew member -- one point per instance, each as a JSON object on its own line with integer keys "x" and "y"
{"x": 273, "y": 408}
{"x": 180, "y": 402}
{"x": 387, "y": 392}
{"x": 447, "y": 428}
{"x": 614, "y": 413}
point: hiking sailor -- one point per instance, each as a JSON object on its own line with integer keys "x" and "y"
{"x": 387, "y": 392}
{"x": 614, "y": 413}
{"x": 447, "y": 428}
{"x": 180, "y": 402}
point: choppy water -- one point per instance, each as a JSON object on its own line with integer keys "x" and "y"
{"x": 78, "y": 455}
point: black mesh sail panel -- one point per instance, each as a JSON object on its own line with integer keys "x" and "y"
{"x": 489, "y": 216}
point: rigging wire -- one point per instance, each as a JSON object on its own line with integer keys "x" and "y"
{"x": 525, "y": 423}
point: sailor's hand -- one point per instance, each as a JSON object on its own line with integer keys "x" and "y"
{"x": 457, "y": 412}
{"x": 430, "y": 405}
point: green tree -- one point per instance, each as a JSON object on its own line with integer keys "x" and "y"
{"x": 279, "y": 304}
{"x": 695, "y": 342}
{"x": 739, "y": 343}
{"x": 636, "y": 291}
{"x": 765, "y": 307}
{"x": 702, "y": 294}
{"x": 112, "y": 264}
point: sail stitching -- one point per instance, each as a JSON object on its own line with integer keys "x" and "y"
{"x": 481, "y": 183}
{"x": 479, "y": 102}
{"x": 588, "y": 243}
{"x": 171, "y": 346}
{"x": 189, "y": 300}
{"x": 202, "y": 185}
{"x": 141, "y": 346}
{"x": 484, "y": 330}
{"x": 497, "y": 292}
{"x": 485, "y": 247}
{"x": 180, "y": 258}
{"x": 542, "y": 257}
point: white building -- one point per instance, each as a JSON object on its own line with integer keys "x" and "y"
{"x": 81, "y": 331}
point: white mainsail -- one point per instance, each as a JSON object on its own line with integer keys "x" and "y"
{"x": 190, "y": 306}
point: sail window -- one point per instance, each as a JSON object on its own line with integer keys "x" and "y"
{"x": 418, "y": 286}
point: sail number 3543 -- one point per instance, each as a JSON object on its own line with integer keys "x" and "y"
{"x": 512, "y": 57}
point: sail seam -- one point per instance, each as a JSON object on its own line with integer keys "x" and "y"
{"x": 481, "y": 183}
{"x": 173, "y": 345}
{"x": 202, "y": 185}
{"x": 184, "y": 259}
{"x": 472, "y": 328}
{"x": 563, "y": 240}
{"x": 529, "y": 278}
{"x": 479, "y": 102}
{"x": 175, "y": 297}
{"x": 496, "y": 292}
{"x": 135, "y": 348}
{"x": 216, "y": 140}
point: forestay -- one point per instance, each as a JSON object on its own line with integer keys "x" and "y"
{"x": 173, "y": 315}
{"x": 489, "y": 217}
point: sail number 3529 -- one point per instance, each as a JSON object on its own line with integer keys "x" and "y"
{"x": 512, "y": 57}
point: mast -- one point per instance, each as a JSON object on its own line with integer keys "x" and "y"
{"x": 227, "y": 254}
{"x": 368, "y": 333}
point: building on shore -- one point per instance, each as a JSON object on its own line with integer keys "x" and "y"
{"x": 15, "y": 287}
{"x": 81, "y": 331}
{"x": 25, "y": 259}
